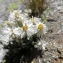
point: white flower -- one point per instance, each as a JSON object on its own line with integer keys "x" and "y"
{"x": 9, "y": 24}
{"x": 42, "y": 29}
{"x": 41, "y": 44}
{"x": 7, "y": 35}
{"x": 8, "y": 31}
{"x": 23, "y": 16}
{"x": 29, "y": 29}
{"x": 18, "y": 32}
{"x": 28, "y": 10}
{"x": 35, "y": 20}
{"x": 14, "y": 14}
{"x": 18, "y": 15}
{"x": 5, "y": 39}
{"x": 28, "y": 22}
{"x": 2, "y": 54}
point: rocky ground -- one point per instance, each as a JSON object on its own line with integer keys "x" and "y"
{"x": 54, "y": 37}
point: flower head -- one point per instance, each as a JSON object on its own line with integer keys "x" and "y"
{"x": 14, "y": 14}
{"x": 40, "y": 26}
{"x": 28, "y": 10}
{"x": 25, "y": 28}
{"x": 42, "y": 29}
{"x": 35, "y": 20}
{"x": 41, "y": 44}
{"x": 29, "y": 29}
{"x": 8, "y": 23}
{"x": 18, "y": 32}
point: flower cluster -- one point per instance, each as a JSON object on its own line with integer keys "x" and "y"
{"x": 19, "y": 25}
{"x": 23, "y": 33}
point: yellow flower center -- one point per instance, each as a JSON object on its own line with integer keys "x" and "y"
{"x": 25, "y": 28}
{"x": 11, "y": 30}
{"x": 16, "y": 14}
{"x": 8, "y": 23}
{"x": 41, "y": 26}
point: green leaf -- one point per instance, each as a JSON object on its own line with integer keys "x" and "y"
{"x": 50, "y": 10}
{"x": 43, "y": 16}
{"x": 3, "y": 61}
{"x": 44, "y": 21}
{"x": 19, "y": 23}
{"x": 19, "y": 1}
{"x": 1, "y": 26}
{"x": 13, "y": 6}
{"x": 0, "y": 0}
